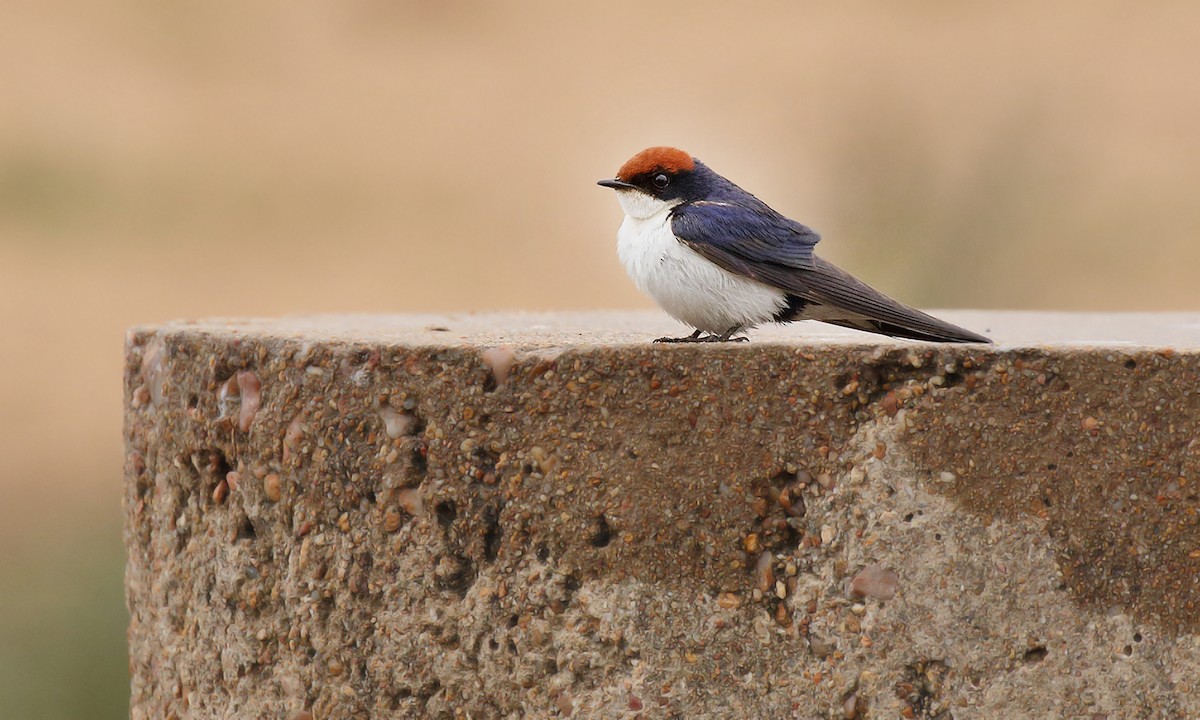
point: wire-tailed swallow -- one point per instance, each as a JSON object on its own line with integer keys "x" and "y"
{"x": 720, "y": 260}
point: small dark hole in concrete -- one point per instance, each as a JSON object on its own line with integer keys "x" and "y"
{"x": 1137, "y": 637}
{"x": 1128, "y": 650}
{"x": 512, "y": 647}
{"x": 493, "y": 645}
{"x": 324, "y": 608}
{"x": 458, "y": 579}
{"x": 484, "y": 461}
{"x": 871, "y": 374}
{"x": 1035, "y": 655}
{"x": 370, "y": 496}
{"x": 492, "y": 535}
{"x": 953, "y": 379}
{"x": 783, "y": 477}
{"x": 791, "y": 536}
{"x": 1070, "y": 453}
{"x": 193, "y": 401}
{"x": 571, "y": 586}
{"x": 420, "y": 464}
{"x": 1046, "y": 500}
{"x": 1130, "y": 364}
{"x": 446, "y": 512}
{"x": 394, "y": 700}
{"x": 1051, "y": 466}
{"x": 603, "y": 533}
{"x": 489, "y": 383}
{"x": 246, "y": 530}
{"x": 513, "y": 620}
{"x": 543, "y": 553}
{"x": 908, "y": 517}
{"x": 937, "y": 536}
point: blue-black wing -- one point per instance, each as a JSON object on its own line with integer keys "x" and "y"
{"x": 748, "y": 240}
{"x": 757, "y": 243}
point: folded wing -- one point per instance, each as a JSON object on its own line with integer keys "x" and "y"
{"x": 779, "y": 252}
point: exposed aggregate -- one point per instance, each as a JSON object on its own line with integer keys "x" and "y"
{"x": 355, "y": 529}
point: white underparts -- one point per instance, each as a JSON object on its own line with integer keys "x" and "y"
{"x": 691, "y": 288}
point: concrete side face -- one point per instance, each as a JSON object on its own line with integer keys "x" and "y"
{"x": 373, "y": 530}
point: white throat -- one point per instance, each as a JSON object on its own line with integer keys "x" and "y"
{"x": 691, "y": 288}
{"x": 640, "y": 206}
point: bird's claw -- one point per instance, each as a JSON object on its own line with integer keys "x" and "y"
{"x": 696, "y": 337}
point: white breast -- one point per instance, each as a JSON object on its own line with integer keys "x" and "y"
{"x": 689, "y": 287}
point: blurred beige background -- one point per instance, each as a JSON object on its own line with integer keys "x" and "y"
{"x": 185, "y": 159}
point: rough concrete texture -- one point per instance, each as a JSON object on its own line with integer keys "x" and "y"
{"x": 549, "y": 516}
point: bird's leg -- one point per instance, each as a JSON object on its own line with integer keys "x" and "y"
{"x": 694, "y": 337}
{"x": 728, "y": 335}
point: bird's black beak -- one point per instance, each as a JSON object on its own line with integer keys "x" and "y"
{"x": 617, "y": 184}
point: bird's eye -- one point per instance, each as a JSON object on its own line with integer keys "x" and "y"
{"x": 661, "y": 181}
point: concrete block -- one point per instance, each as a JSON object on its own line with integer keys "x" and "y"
{"x": 504, "y": 516}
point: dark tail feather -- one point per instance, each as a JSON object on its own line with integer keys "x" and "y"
{"x": 870, "y": 310}
{"x": 951, "y": 333}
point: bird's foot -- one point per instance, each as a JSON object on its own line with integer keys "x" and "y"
{"x": 728, "y": 336}
{"x": 694, "y": 337}
{"x": 699, "y": 337}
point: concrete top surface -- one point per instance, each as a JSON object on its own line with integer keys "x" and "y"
{"x": 1008, "y": 329}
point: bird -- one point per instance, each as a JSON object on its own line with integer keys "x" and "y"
{"x": 721, "y": 261}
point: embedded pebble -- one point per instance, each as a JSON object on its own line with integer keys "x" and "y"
{"x": 764, "y": 572}
{"x": 728, "y": 600}
{"x": 792, "y": 501}
{"x": 500, "y": 360}
{"x": 821, "y": 648}
{"x": 154, "y": 361}
{"x": 876, "y": 582}
{"x": 391, "y": 520}
{"x": 545, "y": 461}
{"x": 250, "y": 388}
{"x": 292, "y": 436}
{"x": 750, "y": 543}
{"x": 271, "y": 487}
{"x": 850, "y": 707}
{"x": 410, "y": 501}
{"x": 397, "y": 424}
